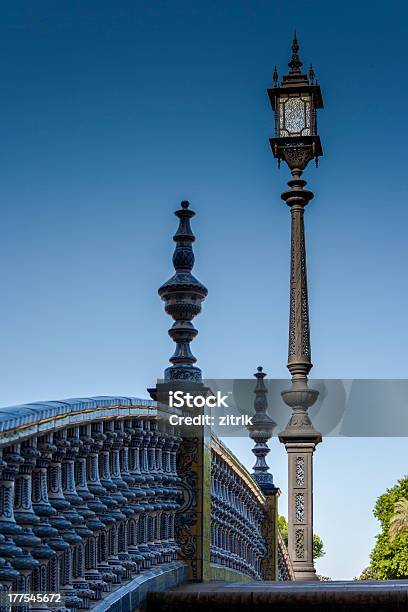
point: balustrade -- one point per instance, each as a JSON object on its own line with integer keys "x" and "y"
{"x": 89, "y": 492}
{"x": 87, "y": 496}
{"x": 239, "y": 515}
{"x": 236, "y": 514}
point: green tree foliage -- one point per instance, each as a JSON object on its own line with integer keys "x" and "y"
{"x": 389, "y": 559}
{"x": 318, "y": 550}
{"x": 367, "y": 574}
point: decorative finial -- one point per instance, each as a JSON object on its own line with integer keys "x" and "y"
{"x": 260, "y": 431}
{"x": 183, "y": 295}
{"x": 275, "y": 76}
{"x": 295, "y": 64}
{"x": 311, "y": 75}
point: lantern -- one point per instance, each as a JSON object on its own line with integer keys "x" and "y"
{"x": 294, "y": 102}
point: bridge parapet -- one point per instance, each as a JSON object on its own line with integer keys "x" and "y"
{"x": 237, "y": 512}
{"x": 90, "y": 500}
{"x": 88, "y": 496}
{"x": 244, "y": 535}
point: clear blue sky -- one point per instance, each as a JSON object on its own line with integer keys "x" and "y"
{"x": 110, "y": 114}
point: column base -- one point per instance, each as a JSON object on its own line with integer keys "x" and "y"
{"x": 304, "y": 573}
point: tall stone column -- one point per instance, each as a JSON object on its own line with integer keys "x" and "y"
{"x": 183, "y": 294}
{"x": 260, "y": 431}
{"x": 300, "y": 437}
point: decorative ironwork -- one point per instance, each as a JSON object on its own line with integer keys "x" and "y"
{"x": 294, "y": 102}
{"x": 295, "y": 115}
{"x": 295, "y": 64}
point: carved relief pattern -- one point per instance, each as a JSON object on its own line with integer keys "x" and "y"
{"x": 304, "y": 296}
{"x": 300, "y": 471}
{"x": 299, "y": 329}
{"x": 300, "y": 507}
{"x": 300, "y": 544}
{"x": 292, "y": 311}
{"x": 6, "y": 501}
{"x": 296, "y": 157}
{"x": 186, "y": 518}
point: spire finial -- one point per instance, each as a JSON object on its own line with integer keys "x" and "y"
{"x": 260, "y": 431}
{"x": 275, "y": 76}
{"x": 295, "y": 64}
{"x": 183, "y": 295}
{"x": 311, "y": 74}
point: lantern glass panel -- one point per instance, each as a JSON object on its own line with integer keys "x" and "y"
{"x": 294, "y": 115}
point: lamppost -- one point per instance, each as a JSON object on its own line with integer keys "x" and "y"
{"x": 296, "y": 141}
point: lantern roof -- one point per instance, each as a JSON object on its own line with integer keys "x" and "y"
{"x": 295, "y": 81}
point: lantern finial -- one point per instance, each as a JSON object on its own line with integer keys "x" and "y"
{"x": 295, "y": 64}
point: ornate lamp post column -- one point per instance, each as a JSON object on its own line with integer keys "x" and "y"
{"x": 296, "y": 141}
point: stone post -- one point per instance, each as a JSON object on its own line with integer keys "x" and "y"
{"x": 183, "y": 295}
{"x": 260, "y": 431}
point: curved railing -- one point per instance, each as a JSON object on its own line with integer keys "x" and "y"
{"x": 236, "y": 514}
{"x": 88, "y": 495}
